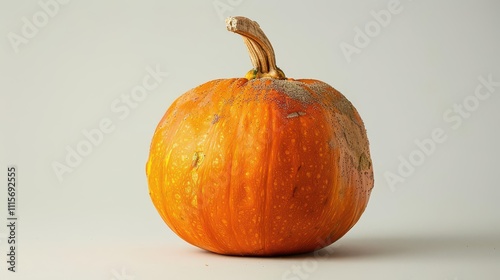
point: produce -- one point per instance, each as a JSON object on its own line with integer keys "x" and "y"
{"x": 263, "y": 165}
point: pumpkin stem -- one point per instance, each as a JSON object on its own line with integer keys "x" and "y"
{"x": 260, "y": 49}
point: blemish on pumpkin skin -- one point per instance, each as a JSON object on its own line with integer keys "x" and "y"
{"x": 215, "y": 119}
{"x": 298, "y": 168}
{"x": 197, "y": 159}
{"x": 346, "y": 138}
{"x": 295, "y": 115}
{"x": 293, "y": 193}
{"x": 364, "y": 162}
{"x": 294, "y": 89}
{"x": 331, "y": 144}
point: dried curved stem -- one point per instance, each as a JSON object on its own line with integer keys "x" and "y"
{"x": 260, "y": 49}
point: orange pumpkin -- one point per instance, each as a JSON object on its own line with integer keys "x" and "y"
{"x": 262, "y": 165}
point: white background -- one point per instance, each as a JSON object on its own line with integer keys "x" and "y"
{"x": 439, "y": 222}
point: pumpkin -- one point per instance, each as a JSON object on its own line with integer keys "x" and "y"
{"x": 263, "y": 165}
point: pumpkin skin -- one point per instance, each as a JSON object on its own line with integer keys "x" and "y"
{"x": 260, "y": 167}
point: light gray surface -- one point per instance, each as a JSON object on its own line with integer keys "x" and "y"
{"x": 97, "y": 222}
